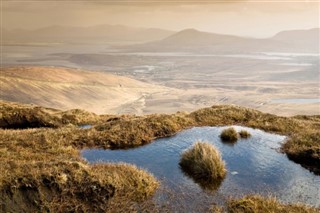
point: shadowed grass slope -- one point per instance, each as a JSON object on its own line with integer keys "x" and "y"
{"x": 14, "y": 116}
{"x": 22, "y": 116}
{"x": 66, "y": 186}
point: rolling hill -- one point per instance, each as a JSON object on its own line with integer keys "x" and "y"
{"x": 69, "y": 88}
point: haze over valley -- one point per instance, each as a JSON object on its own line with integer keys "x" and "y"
{"x": 269, "y": 61}
{"x": 191, "y": 69}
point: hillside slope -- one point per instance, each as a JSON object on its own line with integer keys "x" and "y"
{"x": 68, "y": 88}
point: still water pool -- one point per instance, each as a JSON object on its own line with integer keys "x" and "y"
{"x": 254, "y": 165}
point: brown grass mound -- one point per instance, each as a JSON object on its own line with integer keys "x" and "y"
{"x": 129, "y": 180}
{"x": 229, "y": 135}
{"x": 258, "y": 204}
{"x": 14, "y": 116}
{"x": 69, "y": 186}
{"x": 23, "y": 116}
{"x": 244, "y": 134}
{"x": 41, "y": 172}
{"x": 203, "y": 163}
{"x": 131, "y": 131}
{"x": 31, "y": 159}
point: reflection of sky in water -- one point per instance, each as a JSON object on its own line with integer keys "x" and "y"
{"x": 254, "y": 165}
{"x": 85, "y": 126}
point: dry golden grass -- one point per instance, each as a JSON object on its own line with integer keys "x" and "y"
{"x": 258, "y": 204}
{"x": 203, "y": 163}
{"x": 44, "y": 186}
{"x": 31, "y": 159}
{"x": 109, "y": 131}
{"x": 128, "y": 131}
{"x": 129, "y": 180}
{"x": 244, "y": 134}
{"x": 229, "y": 135}
{"x": 41, "y": 171}
{"x": 22, "y": 116}
{"x": 63, "y": 186}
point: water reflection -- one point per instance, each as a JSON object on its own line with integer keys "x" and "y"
{"x": 254, "y": 166}
{"x": 85, "y": 126}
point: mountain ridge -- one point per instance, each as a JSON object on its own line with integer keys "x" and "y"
{"x": 98, "y": 33}
{"x": 191, "y": 40}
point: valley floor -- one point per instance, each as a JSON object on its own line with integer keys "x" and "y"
{"x": 105, "y": 93}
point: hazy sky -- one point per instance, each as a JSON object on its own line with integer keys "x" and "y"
{"x": 248, "y": 18}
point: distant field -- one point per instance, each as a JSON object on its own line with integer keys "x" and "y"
{"x": 183, "y": 72}
{"x": 156, "y": 90}
{"x": 69, "y": 88}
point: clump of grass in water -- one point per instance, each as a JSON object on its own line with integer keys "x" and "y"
{"x": 203, "y": 163}
{"x": 229, "y": 135}
{"x": 244, "y": 134}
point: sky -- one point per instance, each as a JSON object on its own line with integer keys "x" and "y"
{"x": 260, "y": 18}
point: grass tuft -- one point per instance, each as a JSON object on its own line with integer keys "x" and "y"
{"x": 129, "y": 180}
{"x": 244, "y": 134}
{"x": 258, "y": 204}
{"x": 203, "y": 163}
{"x": 229, "y": 135}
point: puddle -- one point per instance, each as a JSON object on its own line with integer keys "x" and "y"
{"x": 296, "y": 100}
{"x": 85, "y": 126}
{"x": 254, "y": 166}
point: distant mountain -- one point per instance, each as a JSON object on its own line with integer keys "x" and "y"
{"x": 311, "y": 35}
{"x": 192, "y": 37}
{"x": 159, "y": 40}
{"x": 94, "y": 34}
{"x": 191, "y": 40}
{"x": 304, "y": 38}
